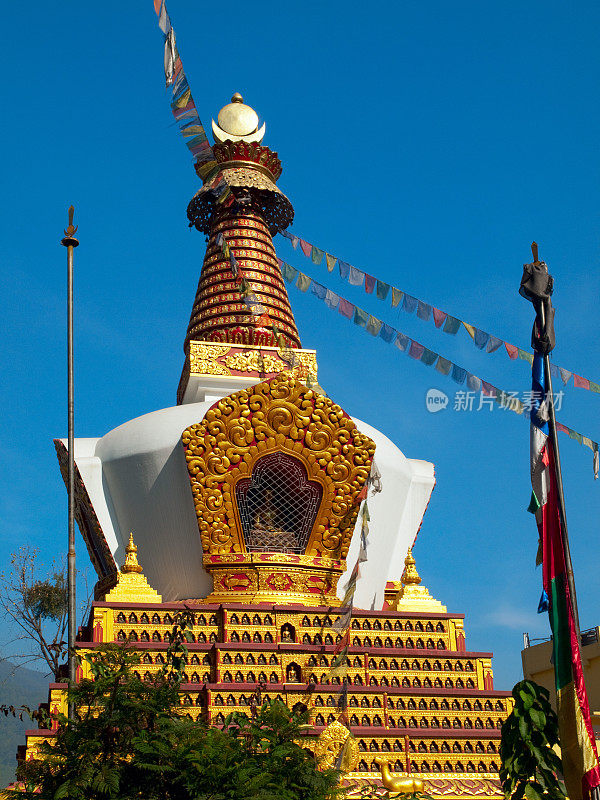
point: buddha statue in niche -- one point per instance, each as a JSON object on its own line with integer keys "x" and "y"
{"x": 266, "y": 517}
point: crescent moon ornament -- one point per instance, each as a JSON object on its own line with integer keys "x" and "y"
{"x": 222, "y": 136}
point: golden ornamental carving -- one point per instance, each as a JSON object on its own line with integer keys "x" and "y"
{"x": 204, "y": 358}
{"x": 328, "y": 748}
{"x": 254, "y": 361}
{"x": 253, "y": 581}
{"x": 278, "y": 415}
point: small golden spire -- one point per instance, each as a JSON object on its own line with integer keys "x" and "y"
{"x": 132, "y": 586}
{"x": 411, "y": 595}
{"x": 410, "y": 576}
{"x": 131, "y": 563}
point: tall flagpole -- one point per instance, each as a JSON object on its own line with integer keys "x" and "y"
{"x": 70, "y": 242}
{"x": 557, "y": 468}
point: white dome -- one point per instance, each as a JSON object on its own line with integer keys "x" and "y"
{"x": 137, "y": 480}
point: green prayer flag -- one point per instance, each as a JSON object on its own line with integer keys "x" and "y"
{"x": 525, "y": 355}
{"x": 443, "y": 365}
{"x": 339, "y": 659}
{"x": 576, "y": 436}
{"x": 534, "y": 504}
{"x": 374, "y": 325}
{"x": 397, "y": 296}
{"x": 317, "y": 255}
{"x": 595, "y": 387}
{"x": 451, "y": 325}
{"x": 330, "y": 261}
{"x": 428, "y": 357}
{"x": 182, "y": 101}
{"x": 382, "y": 290}
{"x": 289, "y": 273}
{"x": 303, "y": 282}
{"x": 360, "y": 317}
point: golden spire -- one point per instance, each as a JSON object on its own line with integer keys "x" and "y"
{"x": 132, "y": 586}
{"x": 411, "y": 595}
{"x": 131, "y": 563}
{"x": 410, "y": 574}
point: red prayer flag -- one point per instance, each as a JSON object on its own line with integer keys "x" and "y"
{"x": 369, "y": 283}
{"x": 580, "y": 383}
{"x": 157, "y": 6}
{"x": 513, "y": 352}
{"x": 346, "y": 308}
{"x": 264, "y": 321}
{"x": 439, "y": 317}
{"x": 306, "y": 248}
{"x": 577, "y": 740}
{"x": 416, "y": 350}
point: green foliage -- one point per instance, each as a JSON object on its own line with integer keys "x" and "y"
{"x": 128, "y": 740}
{"x": 530, "y": 768}
{"x": 34, "y": 601}
{"x": 47, "y": 599}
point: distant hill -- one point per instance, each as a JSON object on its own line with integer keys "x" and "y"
{"x": 18, "y": 686}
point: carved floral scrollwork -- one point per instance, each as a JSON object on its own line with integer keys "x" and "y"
{"x": 277, "y": 415}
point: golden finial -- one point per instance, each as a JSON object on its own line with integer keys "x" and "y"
{"x": 238, "y": 122}
{"x": 131, "y": 584}
{"x": 412, "y": 596}
{"x": 70, "y": 240}
{"x": 410, "y": 574}
{"x": 131, "y": 563}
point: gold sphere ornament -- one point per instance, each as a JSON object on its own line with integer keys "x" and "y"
{"x": 237, "y": 122}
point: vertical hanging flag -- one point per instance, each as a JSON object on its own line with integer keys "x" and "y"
{"x": 184, "y": 109}
{"x": 577, "y": 742}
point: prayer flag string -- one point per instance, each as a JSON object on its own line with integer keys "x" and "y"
{"x": 425, "y": 311}
{"x": 184, "y": 109}
{"x": 418, "y": 352}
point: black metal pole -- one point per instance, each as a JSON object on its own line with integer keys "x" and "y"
{"x": 559, "y": 483}
{"x": 70, "y": 242}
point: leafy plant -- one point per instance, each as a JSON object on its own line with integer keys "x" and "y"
{"x": 530, "y": 767}
{"x": 129, "y": 740}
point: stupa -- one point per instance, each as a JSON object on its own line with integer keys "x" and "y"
{"x": 242, "y": 501}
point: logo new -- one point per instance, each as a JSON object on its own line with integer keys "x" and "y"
{"x": 435, "y": 400}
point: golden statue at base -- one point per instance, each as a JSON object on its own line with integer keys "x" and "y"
{"x": 266, "y": 531}
{"x": 398, "y": 786}
{"x": 265, "y": 519}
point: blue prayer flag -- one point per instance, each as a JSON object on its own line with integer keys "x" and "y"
{"x": 458, "y": 374}
{"x": 409, "y": 303}
{"x": 387, "y": 333}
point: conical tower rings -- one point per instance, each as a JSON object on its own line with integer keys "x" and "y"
{"x": 219, "y": 313}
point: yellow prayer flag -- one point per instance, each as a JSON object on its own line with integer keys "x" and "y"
{"x": 470, "y": 330}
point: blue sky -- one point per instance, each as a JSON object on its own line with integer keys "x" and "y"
{"x": 427, "y": 144}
